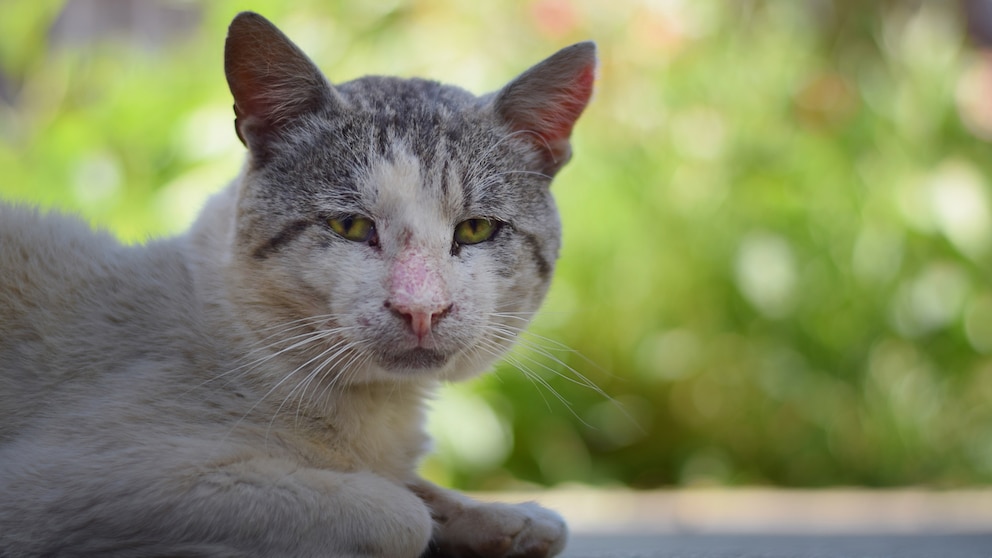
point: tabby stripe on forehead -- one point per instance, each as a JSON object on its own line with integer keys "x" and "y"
{"x": 285, "y": 236}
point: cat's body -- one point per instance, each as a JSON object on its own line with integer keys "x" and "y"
{"x": 256, "y": 386}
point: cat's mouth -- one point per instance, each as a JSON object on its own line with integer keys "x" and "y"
{"x": 416, "y": 359}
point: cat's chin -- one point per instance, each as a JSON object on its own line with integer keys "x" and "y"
{"x": 415, "y": 360}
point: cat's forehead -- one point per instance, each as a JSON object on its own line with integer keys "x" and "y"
{"x": 410, "y": 198}
{"x": 413, "y": 97}
{"x": 419, "y": 113}
{"x": 423, "y": 144}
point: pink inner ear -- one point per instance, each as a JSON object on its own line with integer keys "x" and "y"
{"x": 560, "y": 120}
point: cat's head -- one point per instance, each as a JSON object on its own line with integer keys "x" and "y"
{"x": 390, "y": 228}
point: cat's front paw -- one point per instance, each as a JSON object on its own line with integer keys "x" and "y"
{"x": 502, "y": 531}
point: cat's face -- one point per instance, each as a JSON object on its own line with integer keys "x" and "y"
{"x": 396, "y": 227}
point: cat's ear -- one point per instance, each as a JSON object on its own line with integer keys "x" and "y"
{"x": 545, "y": 101}
{"x": 272, "y": 80}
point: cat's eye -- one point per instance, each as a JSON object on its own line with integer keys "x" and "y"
{"x": 474, "y": 231}
{"x": 354, "y": 228}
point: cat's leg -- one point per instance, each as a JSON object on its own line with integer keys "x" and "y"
{"x": 471, "y": 529}
{"x": 315, "y": 512}
{"x": 255, "y": 508}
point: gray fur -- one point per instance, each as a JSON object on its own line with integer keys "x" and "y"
{"x": 256, "y": 386}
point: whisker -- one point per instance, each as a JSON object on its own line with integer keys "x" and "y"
{"x": 307, "y": 338}
{"x": 523, "y": 336}
{"x": 476, "y": 173}
{"x": 537, "y": 380}
{"x": 320, "y": 355}
{"x": 580, "y": 379}
{"x": 528, "y": 374}
{"x": 349, "y": 368}
{"x": 520, "y": 337}
{"x": 322, "y": 372}
{"x": 280, "y": 332}
{"x": 247, "y": 367}
{"x": 280, "y": 341}
{"x": 485, "y": 156}
{"x": 305, "y": 320}
{"x": 282, "y": 381}
{"x": 540, "y": 174}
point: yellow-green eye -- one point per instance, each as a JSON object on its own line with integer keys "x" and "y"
{"x": 353, "y": 227}
{"x": 474, "y": 231}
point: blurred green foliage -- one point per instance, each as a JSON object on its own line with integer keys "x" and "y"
{"x": 778, "y": 231}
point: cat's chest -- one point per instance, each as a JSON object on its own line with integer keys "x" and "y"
{"x": 363, "y": 433}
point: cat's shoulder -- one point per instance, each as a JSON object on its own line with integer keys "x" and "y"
{"x": 56, "y": 267}
{"x": 24, "y": 223}
{"x": 45, "y": 239}
{"x": 45, "y": 256}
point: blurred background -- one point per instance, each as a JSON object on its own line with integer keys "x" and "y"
{"x": 778, "y": 230}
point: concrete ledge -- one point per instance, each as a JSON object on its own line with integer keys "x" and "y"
{"x": 842, "y": 511}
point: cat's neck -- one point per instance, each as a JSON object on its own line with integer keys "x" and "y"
{"x": 209, "y": 242}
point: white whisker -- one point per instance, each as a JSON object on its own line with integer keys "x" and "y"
{"x": 537, "y": 380}
{"x": 348, "y": 368}
{"x": 580, "y": 379}
{"x": 545, "y": 348}
{"x": 540, "y": 174}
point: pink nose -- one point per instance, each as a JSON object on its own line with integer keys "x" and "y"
{"x": 421, "y": 320}
{"x": 417, "y": 291}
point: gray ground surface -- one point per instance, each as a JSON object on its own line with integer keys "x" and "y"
{"x": 772, "y": 523}
{"x": 779, "y": 546}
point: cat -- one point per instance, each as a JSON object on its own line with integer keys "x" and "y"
{"x": 255, "y": 387}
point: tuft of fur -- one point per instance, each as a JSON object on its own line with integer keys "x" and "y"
{"x": 256, "y": 386}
